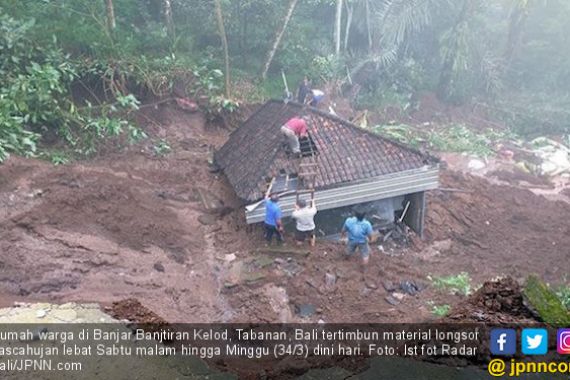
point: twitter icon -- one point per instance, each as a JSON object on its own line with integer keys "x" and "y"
{"x": 534, "y": 341}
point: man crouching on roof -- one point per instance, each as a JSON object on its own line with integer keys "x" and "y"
{"x": 292, "y": 130}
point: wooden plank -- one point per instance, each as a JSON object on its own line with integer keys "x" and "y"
{"x": 269, "y": 187}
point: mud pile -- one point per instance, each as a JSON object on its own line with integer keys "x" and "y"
{"x": 499, "y": 230}
{"x": 495, "y": 302}
{"x": 132, "y": 310}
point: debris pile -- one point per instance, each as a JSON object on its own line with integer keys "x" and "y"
{"x": 496, "y": 302}
{"x": 397, "y": 233}
{"x": 398, "y": 290}
{"x": 132, "y": 310}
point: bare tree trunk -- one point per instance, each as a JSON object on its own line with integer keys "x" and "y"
{"x": 349, "y": 12}
{"x": 222, "y": 32}
{"x": 337, "y": 26}
{"x": 245, "y": 45}
{"x": 167, "y": 10}
{"x": 446, "y": 73}
{"x": 278, "y": 37}
{"x": 111, "y": 23}
{"x": 517, "y": 21}
{"x": 369, "y": 31}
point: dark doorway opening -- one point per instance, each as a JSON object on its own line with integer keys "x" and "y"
{"x": 308, "y": 146}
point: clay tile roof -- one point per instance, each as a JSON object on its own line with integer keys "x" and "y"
{"x": 254, "y": 152}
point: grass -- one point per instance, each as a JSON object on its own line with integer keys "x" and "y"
{"x": 56, "y": 157}
{"x": 162, "y": 148}
{"x": 460, "y": 283}
{"x": 449, "y": 138}
{"x": 563, "y": 292}
{"x": 440, "y": 310}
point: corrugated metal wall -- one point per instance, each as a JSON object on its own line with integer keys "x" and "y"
{"x": 383, "y": 187}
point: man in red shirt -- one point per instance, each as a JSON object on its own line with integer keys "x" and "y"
{"x": 292, "y": 130}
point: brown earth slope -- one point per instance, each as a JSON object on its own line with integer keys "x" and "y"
{"x": 131, "y": 224}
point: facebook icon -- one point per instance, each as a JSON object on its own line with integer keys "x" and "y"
{"x": 503, "y": 342}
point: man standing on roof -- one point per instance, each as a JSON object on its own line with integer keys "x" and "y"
{"x": 273, "y": 224}
{"x": 304, "y": 216}
{"x": 292, "y": 130}
{"x": 304, "y": 89}
{"x": 359, "y": 230}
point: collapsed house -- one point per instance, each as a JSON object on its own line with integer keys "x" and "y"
{"x": 341, "y": 166}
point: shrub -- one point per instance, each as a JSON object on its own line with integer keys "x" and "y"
{"x": 35, "y": 98}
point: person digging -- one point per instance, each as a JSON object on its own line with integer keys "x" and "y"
{"x": 358, "y": 230}
{"x": 305, "y": 224}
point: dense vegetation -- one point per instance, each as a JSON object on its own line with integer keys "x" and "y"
{"x": 75, "y": 69}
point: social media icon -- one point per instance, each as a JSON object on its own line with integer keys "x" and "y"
{"x": 503, "y": 341}
{"x": 563, "y": 341}
{"x": 534, "y": 341}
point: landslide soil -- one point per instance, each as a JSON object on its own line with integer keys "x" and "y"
{"x": 131, "y": 224}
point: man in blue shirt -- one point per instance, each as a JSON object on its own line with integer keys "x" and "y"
{"x": 273, "y": 224}
{"x": 358, "y": 229}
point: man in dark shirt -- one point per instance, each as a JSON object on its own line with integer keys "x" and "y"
{"x": 304, "y": 89}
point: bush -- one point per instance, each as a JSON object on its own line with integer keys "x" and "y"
{"x": 460, "y": 283}
{"x": 35, "y": 98}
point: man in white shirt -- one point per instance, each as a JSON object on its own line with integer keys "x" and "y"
{"x": 304, "y": 216}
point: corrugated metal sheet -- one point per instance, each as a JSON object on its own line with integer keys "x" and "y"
{"x": 383, "y": 187}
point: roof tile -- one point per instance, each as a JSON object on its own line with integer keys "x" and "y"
{"x": 346, "y": 153}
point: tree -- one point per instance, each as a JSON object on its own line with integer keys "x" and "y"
{"x": 167, "y": 11}
{"x": 349, "y": 13}
{"x": 517, "y": 20}
{"x": 337, "y": 26}
{"x": 396, "y": 23}
{"x": 278, "y": 37}
{"x": 455, "y": 44}
{"x": 368, "y": 27}
{"x": 111, "y": 22}
{"x": 222, "y": 32}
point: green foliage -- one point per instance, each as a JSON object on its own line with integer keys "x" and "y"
{"x": 440, "y": 310}
{"x": 563, "y": 293}
{"x": 448, "y": 138}
{"x": 382, "y": 98}
{"x": 210, "y": 81}
{"x": 459, "y": 138}
{"x": 546, "y": 303}
{"x": 35, "y": 98}
{"x": 537, "y": 114}
{"x": 460, "y": 283}
{"x": 57, "y": 157}
{"x": 326, "y": 68}
{"x": 491, "y": 50}
{"x": 402, "y": 133}
{"x": 162, "y": 148}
